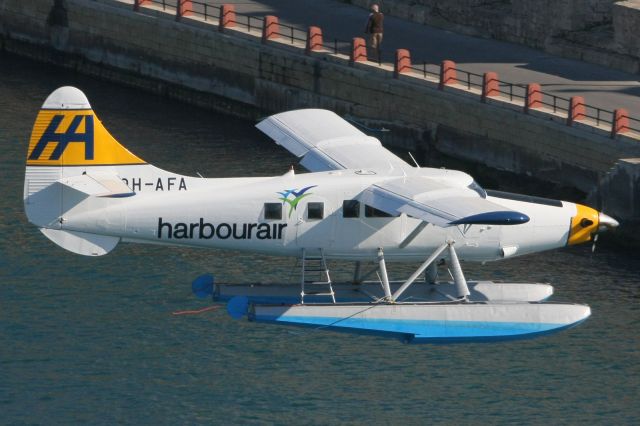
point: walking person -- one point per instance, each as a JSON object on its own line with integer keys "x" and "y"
{"x": 374, "y": 29}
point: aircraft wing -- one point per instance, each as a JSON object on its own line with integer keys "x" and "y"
{"x": 438, "y": 202}
{"x": 326, "y": 142}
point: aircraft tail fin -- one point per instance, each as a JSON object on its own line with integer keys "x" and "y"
{"x": 68, "y": 139}
{"x": 72, "y": 158}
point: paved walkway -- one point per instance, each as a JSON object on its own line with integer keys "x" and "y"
{"x": 600, "y": 86}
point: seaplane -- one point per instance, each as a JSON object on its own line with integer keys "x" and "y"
{"x": 359, "y": 202}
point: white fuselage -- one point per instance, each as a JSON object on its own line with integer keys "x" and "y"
{"x": 242, "y": 214}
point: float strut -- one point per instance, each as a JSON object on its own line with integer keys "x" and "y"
{"x": 458, "y": 277}
{"x": 431, "y": 274}
{"x": 383, "y": 275}
{"x": 357, "y": 273}
{"x": 418, "y": 271}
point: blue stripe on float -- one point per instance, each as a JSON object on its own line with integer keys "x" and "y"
{"x": 425, "y": 330}
{"x": 480, "y": 339}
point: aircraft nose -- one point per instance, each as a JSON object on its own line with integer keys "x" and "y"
{"x": 607, "y": 223}
{"x": 587, "y": 223}
{"x": 584, "y": 225}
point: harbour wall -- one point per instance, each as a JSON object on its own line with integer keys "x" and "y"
{"x": 234, "y": 71}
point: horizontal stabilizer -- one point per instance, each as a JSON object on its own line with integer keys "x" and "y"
{"x": 45, "y": 207}
{"x": 81, "y": 242}
{"x": 101, "y": 184}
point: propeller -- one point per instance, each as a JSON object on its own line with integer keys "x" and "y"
{"x": 605, "y": 223}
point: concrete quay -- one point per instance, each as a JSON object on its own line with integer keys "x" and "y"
{"x": 596, "y": 31}
{"x": 236, "y": 71}
{"x": 600, "y": 86}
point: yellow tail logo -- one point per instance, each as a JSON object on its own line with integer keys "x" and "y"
{"x": 64, "y": 139}
{"x": 74, "y": 138}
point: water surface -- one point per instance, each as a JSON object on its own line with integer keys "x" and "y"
{"x": 93, "y": 340}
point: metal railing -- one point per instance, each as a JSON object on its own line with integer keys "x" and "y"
{"x": 337, "y": 46}
{"x": 598, "y": 115}
{"x": 204, "y": 10}
{"x": 512, "y": 91}
{"x": 468, "y": 79}
{"x": 249, "y": 22}
{"x": 634, "y": 125}
{"x": 164, "y": 4}
{"x": 292, "y": 34}
{"x": 426, "y": 69}
{"x": 555, "y": 103}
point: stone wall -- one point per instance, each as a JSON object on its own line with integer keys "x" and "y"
{"x": 233, "y": 71}
{"x": 623, "y": 188}
{"x": 626, "y": 23}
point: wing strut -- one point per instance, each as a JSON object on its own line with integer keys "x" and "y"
{"x": 413, "y": 234}
{"x": 458, "y": 276}
{"x": 385, "y": 277}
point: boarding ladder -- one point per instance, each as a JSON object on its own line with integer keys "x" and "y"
{"x": 315, "y": 280}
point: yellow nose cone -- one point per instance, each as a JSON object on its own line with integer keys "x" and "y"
{"x": 584, "y": 225}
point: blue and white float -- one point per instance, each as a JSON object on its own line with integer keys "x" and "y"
{"x": 425, "y": 313}
{"x": 431, "y": 322}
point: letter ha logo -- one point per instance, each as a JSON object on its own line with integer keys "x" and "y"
{"x": 73, "y": 134}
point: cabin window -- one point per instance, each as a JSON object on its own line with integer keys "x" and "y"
{"x": 351, "y": 208}
{"x": 315, "y": 210}
{"x": 373, "y": 212}
{"x": 273, "y": 211}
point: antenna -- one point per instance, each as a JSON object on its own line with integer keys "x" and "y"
{"x": 290, "y": 172}
{"x": 414, "y": 160}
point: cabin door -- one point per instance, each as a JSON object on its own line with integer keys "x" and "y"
{"x": 315, "y": 224}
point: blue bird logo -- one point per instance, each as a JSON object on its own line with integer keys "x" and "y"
{"x": 297, "y": 196}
